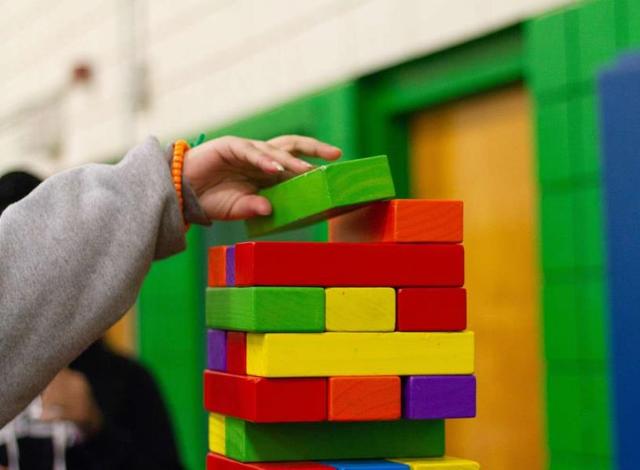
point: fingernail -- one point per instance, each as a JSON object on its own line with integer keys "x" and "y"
{"x": 307, "y": 164}
{"x": 277, "y": 166}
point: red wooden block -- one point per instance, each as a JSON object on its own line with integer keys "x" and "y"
{"x": 348, "y": 264}
{"x": 217, "y": 262}
{"x": 431, "y": 309}
{"x": 265, "y": 400}
{"x": 401, "y": 220}
{"x": 236, "y": 352}
{"x": 364, "y": 398}
{"x": 219, "y": 462}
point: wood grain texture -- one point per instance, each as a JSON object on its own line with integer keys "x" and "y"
{"x": 217, "y": 271}
{"x": 401, "y": 220}
{"x": 264, "y": 442}
{"x": 265, "y": 400}
{"x": 236, "y": 352}
{"x": 357, "y": 354}
{"x": 220, "y": 462}
{"x": 349, "y": 264}
{"x": 439, "y": 397}
{"x": 480, "y": 150}
{"x": 360, "y": 309}
{"x": 431, "y": 309}
{"x": 440, "y": 463}
{"x": 265, "y": 309}
{"x": 323, "y": 192}
{"x": 364, "y": 398}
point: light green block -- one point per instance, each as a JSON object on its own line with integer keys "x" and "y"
{"x": 266, "y": 309}
{"x": 321, "y": 193}
{"x": 260, "y": 442}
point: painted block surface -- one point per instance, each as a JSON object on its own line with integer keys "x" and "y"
{"x": 364, "y": 398}
{"x": 355, "y": 354}
{"x": 217, "y": 271}
{"x": 220, "y": 462}
{"x": 431, "y": 309}
{"x": 217, "y": 433}
{"x": 439, "y": 397}
{"x": 216, "y": 350}
{"x": 323, "y": 192}
{"x": 264, "y": 442}
{"x": 360, "y": 309}
{"x": 439, "y": 463}
{"x": 348, "y": 264}
{"x": 230, "y": 262}
{"x": 401, "y": 220}
{"x": 265, "y": 309}
{"x": 365, "y": 465}
{"x": 265, "y": 400}
{"x": 236, "y": 352}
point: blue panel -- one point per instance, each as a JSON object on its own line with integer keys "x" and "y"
{"x": 620, "y": 106}
{"x": 365, "y": 465}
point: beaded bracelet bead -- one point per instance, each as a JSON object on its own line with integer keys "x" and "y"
{"x": 177, "y": 166}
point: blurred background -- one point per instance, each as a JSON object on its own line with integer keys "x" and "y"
{"x": 491, "y": 101}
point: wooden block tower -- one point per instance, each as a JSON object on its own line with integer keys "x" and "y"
{"x": 346, "y": 355}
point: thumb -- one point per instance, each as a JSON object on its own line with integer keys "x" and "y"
{"x": 248, "y": 206}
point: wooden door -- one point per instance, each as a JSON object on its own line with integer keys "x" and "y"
{"x": 480, "y": 150}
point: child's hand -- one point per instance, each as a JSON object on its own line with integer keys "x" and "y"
{"x": 226, "y": 173}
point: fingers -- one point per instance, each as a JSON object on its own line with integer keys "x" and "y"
{"x": 284, "y": 158}
{"x": 246, "y": 150}
{"x": 306, "y": 145}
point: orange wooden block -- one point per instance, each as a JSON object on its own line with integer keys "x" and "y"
{"x": 364, "y": 398}
{"x": 217, "y": 266}
{"x": 401, "y": 220}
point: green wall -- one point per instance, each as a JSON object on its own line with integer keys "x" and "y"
{"x": 557, "y": 55}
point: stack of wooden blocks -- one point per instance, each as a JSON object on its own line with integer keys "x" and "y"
{"x": 340, "y": 355}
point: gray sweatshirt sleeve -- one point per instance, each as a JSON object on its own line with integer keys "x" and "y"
{"x": 73, "y": 255}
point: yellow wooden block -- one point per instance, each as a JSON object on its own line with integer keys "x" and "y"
{"x": 439, "y": 463}
{"x": 360, "y": 309}
{"x": 217, "y": 434}
{"x": 335, "y": 354}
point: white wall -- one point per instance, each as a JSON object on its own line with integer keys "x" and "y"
{"x": 207, "y": 62}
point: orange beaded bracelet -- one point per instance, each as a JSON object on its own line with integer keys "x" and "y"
{"x": 177, "y": 165}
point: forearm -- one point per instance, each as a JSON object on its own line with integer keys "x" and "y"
{"x": 72, "y": 258}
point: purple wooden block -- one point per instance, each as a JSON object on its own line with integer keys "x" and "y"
{"x": 217, "y": 350}
{"x": 230, "y": 268}
{"x": 440, "y": 397}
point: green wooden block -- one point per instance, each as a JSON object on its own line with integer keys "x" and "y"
{"x": 547, "y": 52}
{"x": 564, "y": 409}
{"x": 557, "y": 224}
{"x": 559, "y": 460}
{"x": 596, "y": 419}
{"x": 324, "y": 192}
{"x": 585, "y": 134}
{"x": 596, "y": 38}
{"x": 594, "y": 330}
{"x": 631, "y": 19}
{"x": 561, "y": 321}
{"x": 266, "y": 309}
{"x": 589, "y": 227}
{"x": 552, "y": 131}
{"x": 259, "y": 442}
